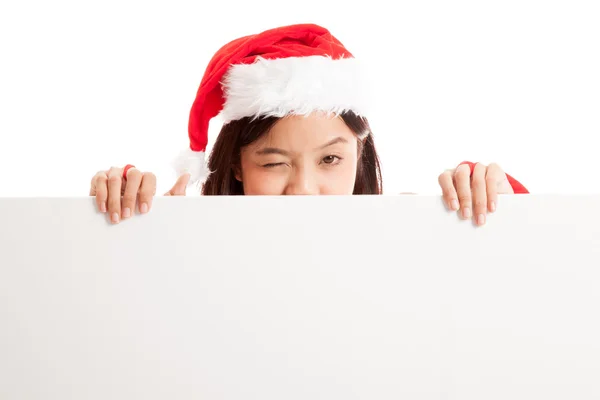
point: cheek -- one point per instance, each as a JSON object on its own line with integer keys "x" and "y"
{"x": 340, "y": 179}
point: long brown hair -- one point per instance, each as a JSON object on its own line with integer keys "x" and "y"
{"x": 225, "y": 156}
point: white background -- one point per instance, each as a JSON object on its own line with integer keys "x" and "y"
{"x": 87, "y": 85}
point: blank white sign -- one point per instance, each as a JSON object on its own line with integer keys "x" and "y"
{"x": 363, "y": 297}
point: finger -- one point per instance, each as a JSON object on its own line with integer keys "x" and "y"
{"x": 462, "y": 183}
{"x": 503, "y": 185}
{"x": 147, "y": 191}
{"x": 479, "y": 193}
{"x": 132, "y": 185}
{"x": 180, "y": 186}
{"x": 448, "y": 190}
{"x": 100, "y": 190}
{"x": 493, "y": 178}
{"x": 115, "y": 184}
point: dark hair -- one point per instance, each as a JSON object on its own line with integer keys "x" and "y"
{"x": 225, "y": 156}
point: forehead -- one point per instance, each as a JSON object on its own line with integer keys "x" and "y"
{"x": 306, "y": 131}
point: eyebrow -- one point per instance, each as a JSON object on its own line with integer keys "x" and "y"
{"x": 272, "y": 150}
{"x": 275, "y": 150}
{"x": 337, "y": 140}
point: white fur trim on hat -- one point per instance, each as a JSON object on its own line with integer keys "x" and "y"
{"x": 193, "y": 163}
{"x": 294, "y": 85}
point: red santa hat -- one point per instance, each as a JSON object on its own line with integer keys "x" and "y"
{"x": 290, "y": 70}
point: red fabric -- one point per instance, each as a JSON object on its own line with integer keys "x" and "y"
{"x": 516, "y": 185}
{"x": 287, "y": 41}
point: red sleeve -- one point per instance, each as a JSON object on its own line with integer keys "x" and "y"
{"x": 516, "y": 185}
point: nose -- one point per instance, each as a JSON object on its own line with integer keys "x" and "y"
{"x": 302, "y": 182}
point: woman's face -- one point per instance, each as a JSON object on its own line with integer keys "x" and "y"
{"x": 314, "y": 155}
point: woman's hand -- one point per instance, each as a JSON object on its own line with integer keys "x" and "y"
{"x": 474, "y": 195}
{"x": 118, "y": 195}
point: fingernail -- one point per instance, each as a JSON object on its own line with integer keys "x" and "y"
{"x": 467, "y": 212}
{"x": 115, "y": 218}
{"x": 454, "y": 204}
{"x": 493, "y": 206}
{"x": 103, "y": 207}
{"x": 126, "y": 212}
{"x": 481, "y": 219}
{"x": 144, "y": 208}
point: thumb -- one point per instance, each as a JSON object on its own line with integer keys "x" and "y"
{"x": 179, "y": 188}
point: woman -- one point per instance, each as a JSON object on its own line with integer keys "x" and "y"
{"x": 293, "y": 102}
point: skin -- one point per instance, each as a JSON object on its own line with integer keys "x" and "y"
{"x": 314, "y": 155}
{"x": 301, "y": 156}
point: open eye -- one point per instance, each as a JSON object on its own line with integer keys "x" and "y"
{"x": 331, "y": 159}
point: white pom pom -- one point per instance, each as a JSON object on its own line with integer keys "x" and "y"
{"x": 192, "y": 162}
